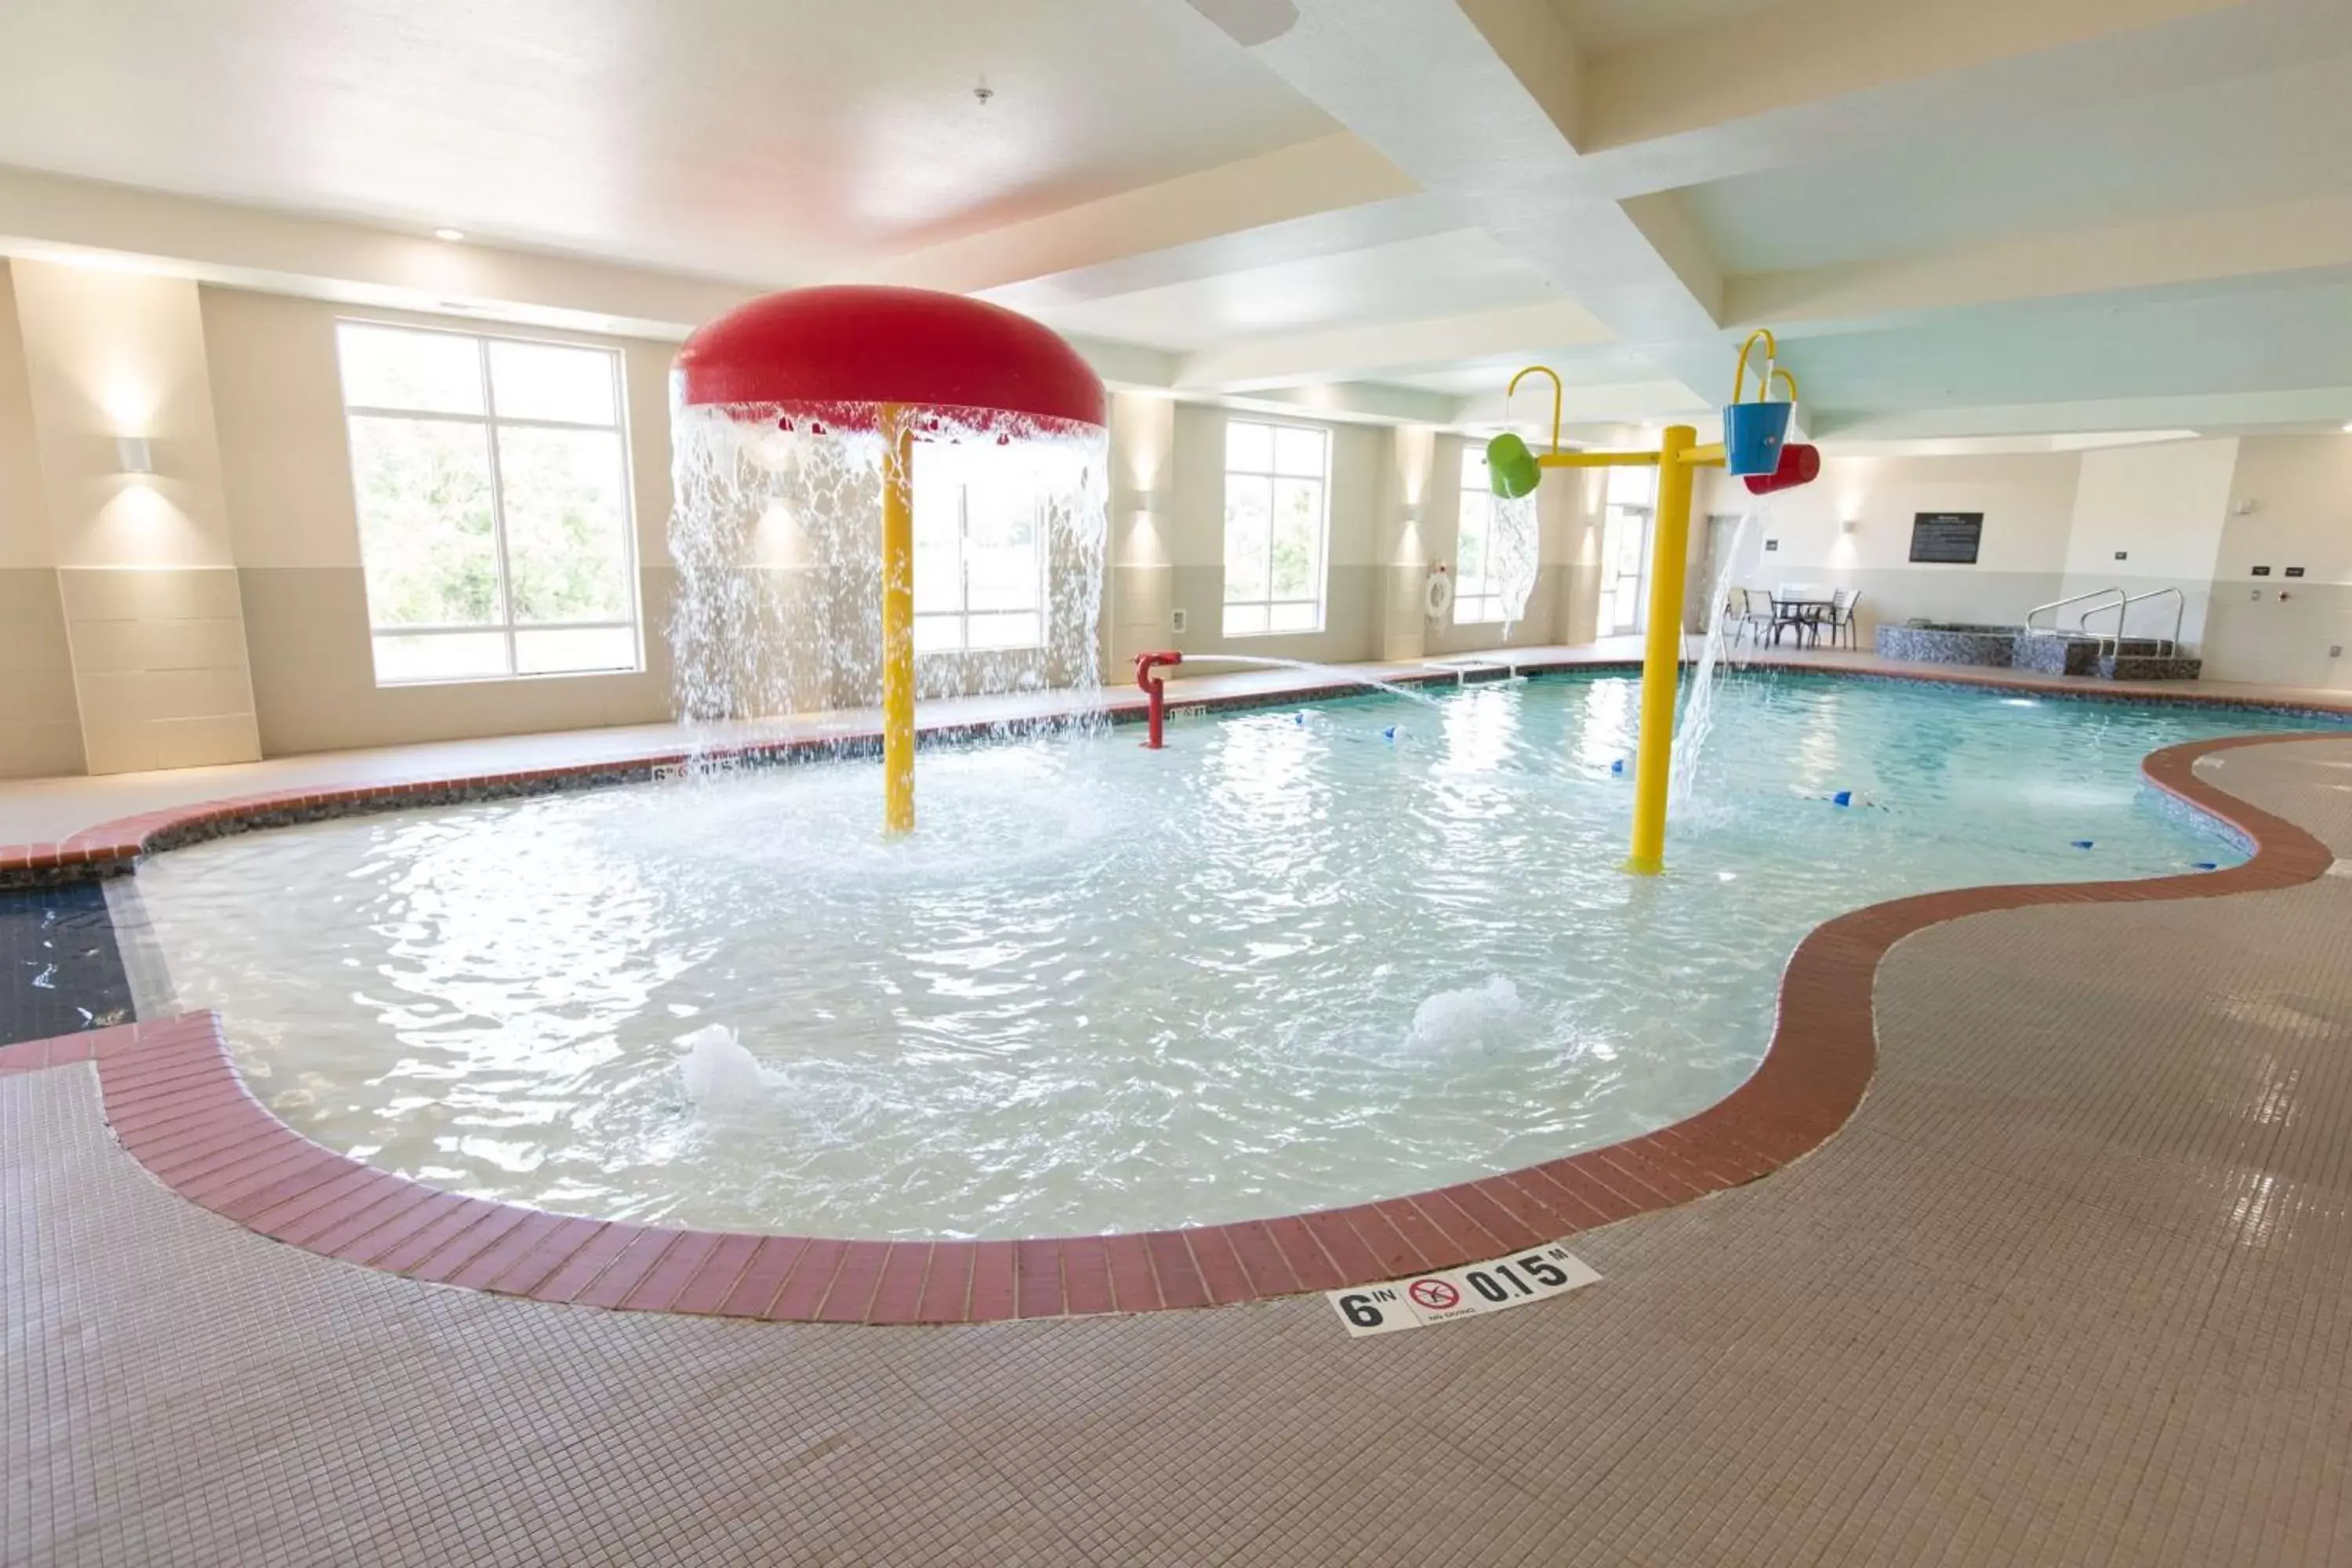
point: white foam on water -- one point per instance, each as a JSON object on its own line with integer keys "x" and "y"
{"x": 720, "y": 1076}
{"x": 1475, "y": 1016}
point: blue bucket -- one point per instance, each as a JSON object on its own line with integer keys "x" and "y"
{"x": 1753, "y": 433}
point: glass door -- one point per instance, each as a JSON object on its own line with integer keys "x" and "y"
{"x": 1626, "y": 549}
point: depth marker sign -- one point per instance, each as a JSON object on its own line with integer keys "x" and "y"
{"x": 1469, "y": 1291}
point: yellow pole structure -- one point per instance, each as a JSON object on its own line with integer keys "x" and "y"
{"x": 899, "y": 620}
{"x": 1662, "y": 655}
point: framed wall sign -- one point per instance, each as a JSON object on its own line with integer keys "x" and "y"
{"x": 1948, "y": 538}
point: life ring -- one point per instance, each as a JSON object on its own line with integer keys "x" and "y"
{"x": 1437, "y": 594}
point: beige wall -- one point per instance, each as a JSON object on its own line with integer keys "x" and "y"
{"x": 2159, "y": 508}
{"x": 2276, "y": 628}
{"x": 2028, "y": 501}
{"x": 1441, "y": 533}
{"x": 216, "y": 610}
{"x": 2149, "y": 520}
{"x": 1142, "y": 588}
{"x": 40, "y": 722}
{"x": 1401, "y": 541}
{"x": 1395, "y": 509}
{"x": 145, "y": 582}
{"x": 1581, "y": 499}
{"x": 2196, "y": 515}
{"x": 1195, "y": 541}
{"x": 287, "y": 471}
{"x": 24, "y": 510}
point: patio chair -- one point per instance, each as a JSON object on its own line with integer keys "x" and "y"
{"x": 1749, "y": 617}
{"x": 1842, "y": 622}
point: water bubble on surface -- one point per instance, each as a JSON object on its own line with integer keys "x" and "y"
{"x": 720, "y": 1076}
{"x": 1473, "y": 1017}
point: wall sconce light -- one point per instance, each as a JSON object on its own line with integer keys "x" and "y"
{"x": 1149, "y": 501}
{"x": 133, "y": 455}
{"x": 1851, "y": 525}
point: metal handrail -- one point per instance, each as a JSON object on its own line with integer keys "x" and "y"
{"x": 2073, "y": 599}
{"x": 2122, "y": 616}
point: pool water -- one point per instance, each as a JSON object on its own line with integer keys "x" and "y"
{"x": 1300, "y": 957}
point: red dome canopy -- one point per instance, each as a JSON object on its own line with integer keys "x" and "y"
{"x": 853, "y": 344}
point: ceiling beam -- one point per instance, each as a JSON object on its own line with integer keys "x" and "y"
{"x": 1598, "y": 403}
{"x": 1320, "y": 235}
{"x": 1479, "y": 105}
{"x": 1327, "y": 174}
{"x": 1811, "y": 51}
{"x": 2199, "y": 247}
{"x": 1387, "y": 348}
{"x": 52, "y": 217}
{"x": 2318, "y": 407}
{"x": 249, "y": 247}
{"x": 1358, "y": 401}
{"x": 1796, "y": 83}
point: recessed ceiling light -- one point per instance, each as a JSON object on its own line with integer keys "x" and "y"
{"x": 451, "y": 235}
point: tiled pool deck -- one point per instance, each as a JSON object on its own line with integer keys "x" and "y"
{"x": 2068, "y": 1287}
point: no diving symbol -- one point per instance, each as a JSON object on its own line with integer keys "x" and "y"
{"x": 1435, "y": 1294}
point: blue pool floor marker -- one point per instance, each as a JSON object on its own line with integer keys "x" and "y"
{"x": 2208, "y": 864}
{"x": 2084, "y": 843}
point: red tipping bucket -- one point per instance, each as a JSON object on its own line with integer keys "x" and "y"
{"x": 1800, "y": 464}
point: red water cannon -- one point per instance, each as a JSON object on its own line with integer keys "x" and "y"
{"x": 1155, "y": 687}
{"x": 1799, "y": 464}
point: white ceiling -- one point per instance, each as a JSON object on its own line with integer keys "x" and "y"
{"x": 2289, "y": 333}
{"x": 1600, "y": 26}
{"x": 2242, "y": 141}
{"x": 1438, "y": 275}
{"x": 757, "y": 139}
{"x": 1965, "y": 220}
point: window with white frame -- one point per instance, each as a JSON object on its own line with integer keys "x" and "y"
{"x": 1477, "y": 583}
{"x": 1276, "y": 526}
{"x": 1633, "y": 499}
{"x": 493, "y": 493}
{"x": 980, "y": 554}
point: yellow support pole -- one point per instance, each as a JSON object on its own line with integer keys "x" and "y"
{"x": 1662, "y": 655}
{"x": 899, "y": 621}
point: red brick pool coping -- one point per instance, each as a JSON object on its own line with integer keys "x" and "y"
{"x": 176, "y": 1103}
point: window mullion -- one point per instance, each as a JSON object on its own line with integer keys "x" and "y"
{"x": 497, "y": 509}
{"x": 963, "y": 566}
{"x": 1272, "y": 523}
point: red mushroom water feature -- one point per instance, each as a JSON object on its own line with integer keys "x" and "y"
{"x": 796, "y": 411}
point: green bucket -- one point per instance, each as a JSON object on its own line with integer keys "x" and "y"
{"x": 1511, "y": 469}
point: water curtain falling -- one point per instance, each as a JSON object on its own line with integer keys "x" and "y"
{"x": 1698, "y": 702}
{"x": 777, "y": 538}
{"x": 1515, "y": 548}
